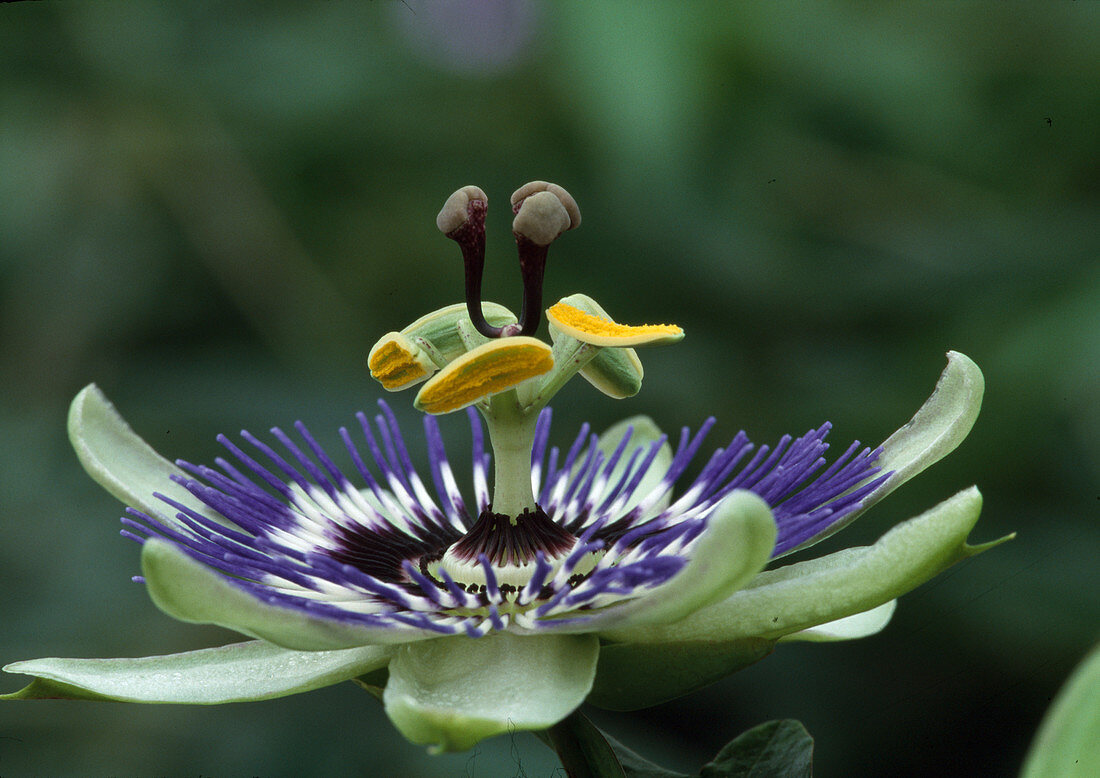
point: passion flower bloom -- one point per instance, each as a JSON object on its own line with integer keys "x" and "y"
{"x": 594, "y": 571}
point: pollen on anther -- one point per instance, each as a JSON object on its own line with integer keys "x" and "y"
{"x": 599, "y": 331}
{"x": 396, "y": 362}
{"x": 489, "y": 369}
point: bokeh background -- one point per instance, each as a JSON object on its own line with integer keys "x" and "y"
{"x": 214, "y": 210}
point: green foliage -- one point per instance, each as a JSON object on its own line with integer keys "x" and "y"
{"x": 1068, "y": 742}
{"x": 775, "y": 749}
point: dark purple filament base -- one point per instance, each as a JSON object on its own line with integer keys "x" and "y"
{"x": 505, "y": 541}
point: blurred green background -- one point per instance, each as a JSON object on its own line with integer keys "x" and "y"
{"x": 214, "y": 210}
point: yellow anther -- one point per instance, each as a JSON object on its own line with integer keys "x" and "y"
{"x": 396, "y": 362}
{"x": 599, "y": 331}
{"x": 489, "y": 369}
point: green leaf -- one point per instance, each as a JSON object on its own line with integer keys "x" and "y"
{"x": 799, "y": 596}
{"x": 630, "y": 676}
{"x": 941, "y": 424}
{"x": 190, "y": 591}
{"x": 1068, "y": 742}
{"x": 123, "y": 463}
{"x": 452, "y": 692}
{"x": 583, "y": 748}
{"x": 235, "y": 673}
{"x": 776, "y": 749}
{"x": 593, "y": 744}
{"x": 635, "y": 766}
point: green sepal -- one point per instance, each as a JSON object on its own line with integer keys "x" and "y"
{"x": 807, "y": 594}
{"x": 239, "y": 672}
{"x": 937, "y": 428}
{"x": 452, "y": 692}
{"x": 190, "y": 591}
{"x": 631, "y": 676}
{"x": 124, "y": 464}
{"x": 858, "y": 625}
{"x": 1068, "y": 742}
{"x": 735, "y": 546}
{"x": 374, "y": 682}
{"x": 439, "y": 329}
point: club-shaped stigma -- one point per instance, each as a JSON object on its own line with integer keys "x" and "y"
{"x": 542, "y": 212}
{"x": 462, "y": 219}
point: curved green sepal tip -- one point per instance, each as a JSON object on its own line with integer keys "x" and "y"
{"x": 240, "y": 672}
{"x": 807, "y": 594}
{"x": 189, "y": 591}
{"x": 1068, "y": 742}
{"x": 631, "y": 676}
{"x": 120, "y": 461}
{"x": 937, "y": 428}
{"x": 452, "y": 692}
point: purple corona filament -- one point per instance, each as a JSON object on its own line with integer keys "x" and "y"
{"x": 364, "y": 548}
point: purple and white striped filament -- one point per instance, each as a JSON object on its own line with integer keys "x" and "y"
{"x": 302, "y": 533}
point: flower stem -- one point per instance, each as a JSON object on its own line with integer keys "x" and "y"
{"x": 582, "y": 748}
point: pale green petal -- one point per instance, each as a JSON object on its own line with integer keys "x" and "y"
{"x": 735, "y": 546}
{"x": 941, "y": 424}
{"x": 239, "y": 672}
{"x": 1068, "y": 742}
{"x": 189, "y": 591}
{"x": 451, "y": 692}
{"x": 120, "y": 461}
{"x": 808, "y": 594}
{"x": 644, "y": 433}
{"x": 631, "y": 676}
{"x": 858, "y": 625}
